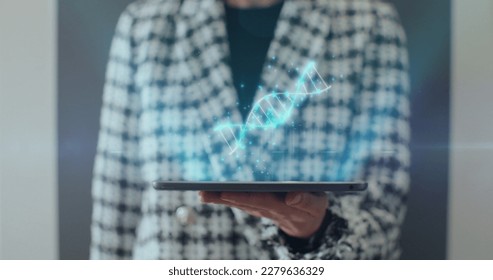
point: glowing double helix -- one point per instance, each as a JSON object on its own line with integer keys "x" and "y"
{"x": 273, "y": 110}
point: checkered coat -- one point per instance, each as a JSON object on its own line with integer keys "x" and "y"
{"x": 168, "y": 84}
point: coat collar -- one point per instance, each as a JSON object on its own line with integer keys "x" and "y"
{"x": 301, "y": 33}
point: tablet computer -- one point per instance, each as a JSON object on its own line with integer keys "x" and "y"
{"x": 262, "y": 186}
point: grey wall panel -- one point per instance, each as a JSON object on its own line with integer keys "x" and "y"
{"x": 85, "y": 31}
{"x": 28, "y": 187}
{"x": 471, "y": 210}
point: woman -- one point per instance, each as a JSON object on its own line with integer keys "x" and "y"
{"x": 179, "y": 68}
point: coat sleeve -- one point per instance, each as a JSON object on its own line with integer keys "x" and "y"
{"x": 367, "y": 226}
{"x": 117, "y": 185}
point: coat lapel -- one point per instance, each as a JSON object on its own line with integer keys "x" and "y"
{"x": 214, "y": 89}
{"x": 300, "y": 36}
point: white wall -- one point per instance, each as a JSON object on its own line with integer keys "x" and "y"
{"x": 471, "y": 199}
{"x": 28, "y": 199}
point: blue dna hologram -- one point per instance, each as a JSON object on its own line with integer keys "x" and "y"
{"x": 273, "y": 110}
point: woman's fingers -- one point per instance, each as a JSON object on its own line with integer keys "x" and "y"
{"x": 295, "y": 206}
{"x": 210, "y": 197}
{"x": 268, "y": 204}
{"x": 311, "y": 203}
{"x": 265, "y": 201}
{"x": 257, "y": 212}
{"x": 299, "y": 214}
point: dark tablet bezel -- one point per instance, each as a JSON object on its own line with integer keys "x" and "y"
{"x": 280, "y": 186}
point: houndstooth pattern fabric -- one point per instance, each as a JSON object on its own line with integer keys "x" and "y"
{"x": 168, "y": 84}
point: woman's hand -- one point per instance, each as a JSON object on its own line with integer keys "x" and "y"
{"x": 298, "y": 214}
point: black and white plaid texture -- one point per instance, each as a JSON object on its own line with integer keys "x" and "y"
{"x": 169, "y": 83}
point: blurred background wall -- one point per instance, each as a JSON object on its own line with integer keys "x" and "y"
{"x": 28, "y": 188}
{"x": 428, "y": 28}
{"x": 471, "y": 201}
{"x": 28, "y": 207}
{"x": 85, "y": 30}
